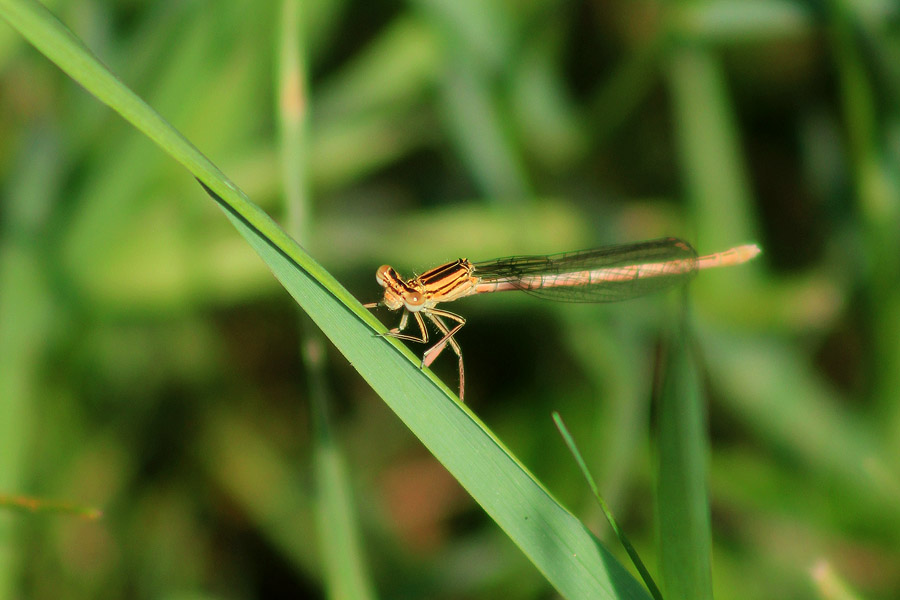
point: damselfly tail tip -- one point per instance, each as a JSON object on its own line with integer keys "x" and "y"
{"x": 747, "y": 252}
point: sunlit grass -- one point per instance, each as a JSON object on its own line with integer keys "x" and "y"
{"x": 150, "y": 364}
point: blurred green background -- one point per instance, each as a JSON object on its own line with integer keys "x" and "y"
{"x": 150, "y": 365}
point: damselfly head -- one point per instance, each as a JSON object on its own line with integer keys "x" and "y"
{"x": 385, "y": 275}
{"x": 394, "y": 288}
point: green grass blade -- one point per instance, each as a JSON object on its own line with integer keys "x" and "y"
{"x": 713, "y": 170}
{"x": 682, "y": 496}
{"x": 345, "y": 571}
{"x": 26, "y": 317}
{"x": 555, "y": 541}
{"x": 623, "y": 539}
{"x": 877, "y": 183}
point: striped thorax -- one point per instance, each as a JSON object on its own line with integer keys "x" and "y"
{"x": 445, "y": 283}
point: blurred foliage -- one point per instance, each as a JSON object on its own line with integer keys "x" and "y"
{"x": 149, "y": 363}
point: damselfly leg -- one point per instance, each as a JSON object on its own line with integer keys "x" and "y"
{"x": 434, "y": 315}
{"x": 432, "y": 353}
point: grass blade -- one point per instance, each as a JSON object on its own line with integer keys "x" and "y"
{"x": 682, "y": 497}
{"x": 555, "y": 541}
{"x": 345, "y": 571}
{"x": 623, "y": 539}
{"x": 26, "y": 319}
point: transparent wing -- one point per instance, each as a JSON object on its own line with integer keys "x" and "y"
{"x": 607, "y": 274}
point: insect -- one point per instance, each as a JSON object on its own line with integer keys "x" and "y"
{"x": 606, "y": 274}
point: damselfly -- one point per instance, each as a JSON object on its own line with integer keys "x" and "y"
{"x": 606, "y": 274}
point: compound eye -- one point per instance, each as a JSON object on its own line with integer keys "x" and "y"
{"x": 414, "y": 298}
{"x": 383, "y": 274}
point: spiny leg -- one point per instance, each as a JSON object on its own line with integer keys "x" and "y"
{"x": 395, "y": 332}
{"x": 432, "y": 353}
